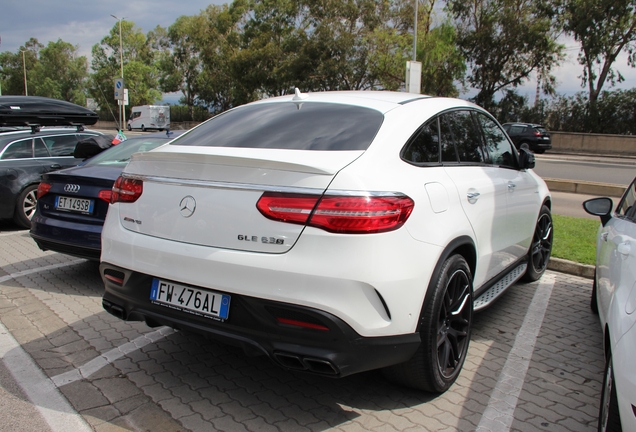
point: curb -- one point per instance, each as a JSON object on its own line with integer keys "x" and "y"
{"x": 587, "y": 188}
{"x": 571, "y": 267}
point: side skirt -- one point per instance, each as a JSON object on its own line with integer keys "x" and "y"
{"x": 488, "y": 296}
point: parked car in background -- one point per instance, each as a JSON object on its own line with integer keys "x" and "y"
{"x": 536, "y": 136}
{"x": 614, "y": 299}
{"x": 24, "y": 156}
{"x": 335, "y": 232}
{"x": 72, "y": 203}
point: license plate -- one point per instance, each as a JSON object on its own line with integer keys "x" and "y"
{"x": 78, "y": 205}
{"x": 189, "y": 299}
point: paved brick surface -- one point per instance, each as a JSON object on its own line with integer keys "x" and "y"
{"x": 174, "y": 381}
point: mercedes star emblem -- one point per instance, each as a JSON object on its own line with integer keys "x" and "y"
{"x": 187, "y": 206}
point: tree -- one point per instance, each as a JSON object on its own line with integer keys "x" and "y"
{"x": 443, "y": 64}
{"x": 13, "y": 66}
{"x": 604, "y": 28}
{"x": 357, "y": 44}
{"x": 178, "y": 57}
{"x": 504, "y": 41}
{"x": 227, "y": 77}
{"x": 140, "y": 72}
{"x": 61, "y": 73}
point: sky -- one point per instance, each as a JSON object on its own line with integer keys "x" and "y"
{"x": 85, "y": 22}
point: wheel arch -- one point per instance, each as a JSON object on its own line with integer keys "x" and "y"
{"x": 464, "y": 246}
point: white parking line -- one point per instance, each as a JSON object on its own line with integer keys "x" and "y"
{"x": 43, "y": 391}
{"x": 55, "y": 409}
{"x": 99, "y": 362}
{"x": 499, "y": 413}
{"x": 39, "y": 269}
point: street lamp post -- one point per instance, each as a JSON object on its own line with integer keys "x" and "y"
{"x": 26, "y": 91}
{"x": 122, "y": 107}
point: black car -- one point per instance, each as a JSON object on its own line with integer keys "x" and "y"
{"x": 27, "y": 154}
{"x": 536, "y": 136}
{"x": 72, "y": 203}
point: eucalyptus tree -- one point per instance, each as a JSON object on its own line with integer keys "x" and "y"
{"x": 443, "y": 64}
{"x": 504, "y": 42}
{"x": 140, "y": 71}
{"x": 604, "y": 29}
{"x": 178, "y": 57}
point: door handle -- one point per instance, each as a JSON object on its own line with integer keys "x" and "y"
{"x": 55, "y": 166}
{"x": 511, "y": 187}
{"x": 624, "y": 248}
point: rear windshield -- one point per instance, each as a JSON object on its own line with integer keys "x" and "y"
{"x": 289, "y": 125}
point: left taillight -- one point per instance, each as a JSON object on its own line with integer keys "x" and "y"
{"x": 126, "y": 190}
{"x": 43, "y": 189}
{"x": 342, "y": 214}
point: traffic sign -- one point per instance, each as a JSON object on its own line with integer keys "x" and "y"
{"x": 119, "y": 88}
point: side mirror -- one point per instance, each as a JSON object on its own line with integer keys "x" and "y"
{"x": 526, "y": 157}
{"x": 601, "y": 207}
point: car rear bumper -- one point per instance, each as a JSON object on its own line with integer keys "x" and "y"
{"x": 328, "y": 347}
{"x": 80, "y": 240}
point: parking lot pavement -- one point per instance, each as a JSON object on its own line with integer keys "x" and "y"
{"x": 535, "y": 363}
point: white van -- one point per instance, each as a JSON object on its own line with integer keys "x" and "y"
{"x": 149, "y": 117}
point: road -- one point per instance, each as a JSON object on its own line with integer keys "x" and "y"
{"x": 588, "y": 169}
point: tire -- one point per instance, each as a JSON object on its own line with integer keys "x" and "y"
{"x": 129, "y": 127}
{"x": 143, "y": 128}
{"x": 608, "y": 417}
{"x": 541, "y": 246}
{"x": 25, "y": 206}
{"x": 593, "y": 301}
{"x": 539, "y": 151}
{"x": 445, "y": 327}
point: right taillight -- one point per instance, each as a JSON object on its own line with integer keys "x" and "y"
{"x": 43, "y": 189}
{"x": 126, "y": 190}
{"x": 345, "y": 214}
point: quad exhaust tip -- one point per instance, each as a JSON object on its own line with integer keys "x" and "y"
{"x": 308, "y": 364}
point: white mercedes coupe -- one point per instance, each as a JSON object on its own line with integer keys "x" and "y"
{"x": 334, "y": 232}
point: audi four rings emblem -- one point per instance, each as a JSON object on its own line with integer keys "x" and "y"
{"x": 71, "y": 188}
{"x": 187, "y": 206}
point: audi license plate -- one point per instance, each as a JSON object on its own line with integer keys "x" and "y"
{"x": 189, "y": 299}
{"x": 77, "y": 205}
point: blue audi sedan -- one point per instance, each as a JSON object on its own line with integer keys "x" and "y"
{"x": 72, "y": 203}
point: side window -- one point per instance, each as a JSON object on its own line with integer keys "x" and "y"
{"x": 449, "y": 154}
{"x": 423, "y": 147}
{"x": 497, "y": 145}
{"x": 516, "y": 130}
{"x": 626, "y": 206}
{"x": 61, "y": 145}
{"x": 22, "y": 149}
{"x": 467, "y": 137}
{"x": 39, "y": 148}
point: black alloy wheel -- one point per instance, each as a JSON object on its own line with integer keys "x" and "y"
{"x": 453, "y": 325}
{"x": 541, "y": 247}
{"x": 445, "y": 328}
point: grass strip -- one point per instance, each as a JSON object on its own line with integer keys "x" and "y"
{"x": 575, "y": 239}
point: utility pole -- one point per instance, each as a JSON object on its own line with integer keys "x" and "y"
{"x": 122, "y": 107}
{"x": 26, "y": 92}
